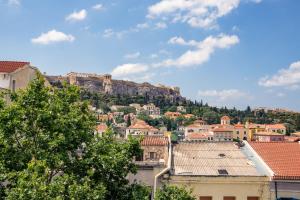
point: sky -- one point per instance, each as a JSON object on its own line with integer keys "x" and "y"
{"x": 230, "y": 53}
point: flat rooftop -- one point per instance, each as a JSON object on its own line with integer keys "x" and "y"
{"x": 215, "y": 159}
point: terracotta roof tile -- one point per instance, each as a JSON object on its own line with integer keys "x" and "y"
{"x": 102, "y": 127}
{"x": 199, "y": 135}
{"x": 154, "y": 141}
{"x": 225, "y": 118}
{"x": 282, "y": 157}
{"x": 140, "y": 124}
{"x": 275, "y": 126}
{"x": 11, "y": 66}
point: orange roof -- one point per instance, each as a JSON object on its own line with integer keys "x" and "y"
{"x": 225, "y": 118}
{"x": 154, "y": 141}
{"x": 102, "y": 127}
{"x": 172, "y": 113}
{"x": 275, "y": 126}
{"x": 222, "y": 129}
{"x": 198, "y": 135}
{"x": 282, "y": 157}
{"x": 239, "y": 125}
{"x": 140, "y": 124}
{"x": 11, "y": 66}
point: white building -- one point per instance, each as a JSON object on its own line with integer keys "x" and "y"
{"x": 140, "y": 127}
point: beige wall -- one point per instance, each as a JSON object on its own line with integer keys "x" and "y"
{"x": 218, "y": 187}
{"x": 22, "y": 77}
{"x": 160, "y": 151}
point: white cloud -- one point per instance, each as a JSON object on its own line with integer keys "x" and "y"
{"x": 197, "y": 13}
{"x": 161, "y": 25}
{"x": 14, "y": 2}
{"x": 129, "y": 69}
{"x": 202, "y": 52}
{"x": 108, "y": 33}
{"x": 289, "y": 77}
{"x": 153, "y": 56}
{"x": 224, "y": 95}
{"x": 77, "y": 16}
{"x": 280, "y": 94}
{"x": 53, "y": 36}
{"x": 98, "y": 7}
{"x": 132, "y": 55}
{"x": 142, "y": 26}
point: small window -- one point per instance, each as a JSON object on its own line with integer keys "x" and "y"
{"x": 222, "y": 171}
{"x": 252, "y": 198}
{"x": 205, "y": 198}
{"x": 152, "y": 155}
{"x": 14, "y": 85}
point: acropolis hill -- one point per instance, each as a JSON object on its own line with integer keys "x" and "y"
{"x": 105, "y": 84}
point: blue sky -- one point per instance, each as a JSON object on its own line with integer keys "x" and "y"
{"x": 226, "y": 52}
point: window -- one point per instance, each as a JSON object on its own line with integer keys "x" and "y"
{"x": 152, "y": 155}
{"x": 14, "y": 85}
{"x": 252, "y": 198}
{"x": 222, "y": 171}
{"x": 237, "y": 132}
{"x": 205, "y": 198}
{"x": 229, "y": 198}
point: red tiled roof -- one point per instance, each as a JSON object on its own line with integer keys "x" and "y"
{"x": 198, "y": 135}
{"x": 11, "y": 66}
{"x": 154, "y": 141}
{"x": 225, "y": 118}
{"x": 282, "y": 157}
{"x": 140, "y": 124}
{"x": 102, "y": 127}
{"x": 222, "y": 130}
{"x": 275, "y": 126}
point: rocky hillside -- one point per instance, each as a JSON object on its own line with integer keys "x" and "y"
{"x": 106, "y": 85}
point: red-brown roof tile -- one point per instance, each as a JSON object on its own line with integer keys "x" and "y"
{"x": 154, "y": 141}
{"x": 11, "y": 66}
{"x": 282, "y": 157}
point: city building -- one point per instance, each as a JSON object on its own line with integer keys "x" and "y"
{"x": 225, "y": 120}
{"x": 154, "y": 159}
{"x": 216, "y": 171}
{"x": 240, "y": 132}
{"x": 101, "y": 128}
{"x": 172, "y": 115}
{"x": 140, "y": 127}
{"x": 200, "y": 137}
{"x": 276, "y": 128}
{"x": 181, "y": 109}
{"x": 151, "y": 109}
{"x": 222, "y": 134}
{"x": 16, "y": 75}
{"x": 283, "y": 158}
{"x": 268, "y": 137}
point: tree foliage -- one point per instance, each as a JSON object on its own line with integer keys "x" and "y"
{"x": 48, "y": 149}
{"x": 174, "y": 193}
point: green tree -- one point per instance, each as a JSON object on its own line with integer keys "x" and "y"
{"x": 174, "y": 193}
{"x": 48, "y": 149}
